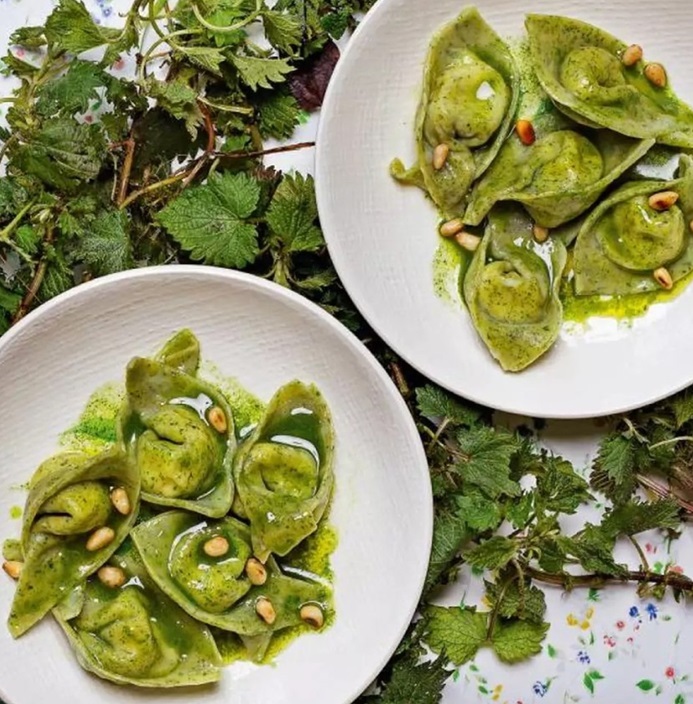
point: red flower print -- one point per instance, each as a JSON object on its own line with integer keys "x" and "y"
{"x": 620, "y": 625}
{"x": 669, "y": 672}
{"x": 89, "y": 119}
{"x": 677, "y": 569}
{"x": 119, "y": 65}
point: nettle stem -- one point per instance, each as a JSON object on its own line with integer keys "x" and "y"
{"x": 36, "y": 282}
{"x": 568, "y": 581}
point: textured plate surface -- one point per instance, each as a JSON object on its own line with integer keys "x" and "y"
{"x": 382, "y": 237}
{"x": 264, "y": 336}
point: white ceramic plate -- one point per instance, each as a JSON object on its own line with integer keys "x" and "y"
{"x": 382, "y": 237}
{"x": 264, "y": 336}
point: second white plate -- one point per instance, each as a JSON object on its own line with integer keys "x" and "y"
{"x": 382, "y": 237}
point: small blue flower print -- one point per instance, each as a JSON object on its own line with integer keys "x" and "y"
{"x": 651, "y": 611}
{"x": 583, "y": 657}
{"x": 634, "y": 612}
{"x": 540, "y": 688}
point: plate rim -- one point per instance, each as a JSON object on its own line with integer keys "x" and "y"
{"x": 329, "y": 110}
{"x": 280, "y": 293}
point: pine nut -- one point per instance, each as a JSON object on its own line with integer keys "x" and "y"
{"x": 312, "y": 615}
{"x": 256, "y": 571}
{"x": 663, "y": 200}
{"x": 217, "y": 419}
{"x": 451, "y": 227}
{"x": 525, "y": 131}
{"x": 217, "y": 546}
{"x": 265, "y": 610}
{"x": 100, "y": 539}
{"x": 467, "y": 241}
{"x": 632, "y": 55}
{"x": 112, "y": 577}
{"x": 541, "y": 234}
{"x": 13, "y": 568}
{"x": 656, "y": 75}
{"x": 663, "y": 278}
{"x": 121, "y": 501}
{"x": 440, "y": 156}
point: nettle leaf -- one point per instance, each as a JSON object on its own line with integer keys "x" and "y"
{"x": 261, "y": 73}
{"x": 278, "y": 114}
{"x": 486, "y": 463}
{"x": 414, "y": 681}
{"x": 560, "y": 488}
{"x": 59, "y": 277}
{"x": 211, "y": 220}
{"x": 179, "y": 100}
{"x": 479, "y": 512}
{"x": 105, "y": 247}
{"x": 638, "y": 516}
{"x": 9, "y": 300}
{"x": 682, "y": 407}
{"x": 28, "y": 239}
{"x": 436, "y": 404}
{"x": 72, "y": 92}
{"x": 293, "y": 213}
{"x": 72, "y": 28}
{"x": 13, "y": 197}
{"x": 458, "y": 632}
{"x": 63, "y": 153}
{"x": 493, "y": 553}
{"x": 450, "y": 533}
{"x": 208, "y": 58}
{"x": 518, "y": 599}
{"x": 614, "y": 467}
{"x": 514, "y": 641}
{"x": 519, "y": 511}
{"x": 29, "y": 37}
{"x": 593, "y": 548}
{"x": 284, "y": 31}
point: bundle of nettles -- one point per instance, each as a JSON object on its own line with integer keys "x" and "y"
{"x": 55, "y": 235}
{"x": 541, "y": 161}
{"x": 184, "y": 534}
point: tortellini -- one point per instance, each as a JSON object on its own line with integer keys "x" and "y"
{"x": 559, "y": 176}
{"x": 181, "y": 433}
{"x": 511, "y": 289}
{"x": 580, "y": 66}
{"x": 468, "y": 101}
{"x": 131, "y": 633}
{"x": 72, "y": 526}
{"x": 283, "y": 471}
{"x": 625, "y": 241}
{"x": 139, "y": 550}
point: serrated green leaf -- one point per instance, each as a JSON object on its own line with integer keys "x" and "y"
{"x": 455, "y": 631}
{"x": 519, "y": 510}
{"x": 210, "y": 220}
{"x": 615, "y": 462}
{"x": 486, "y": 460}
{"x": 317, "y": 282}
{"x": 336, "y": 23}
{"x": 559, "y": 487}
{"x": 261, "y": 73}
{"x": 436, "y": 404}
{"x": 593, "y": 548}
{"x": 682, "y": 407}
{"x": 63, "y": 153}
{"x": 293, "y": 213}
{"x": 479, "y": 512}
{"x": 515, "y": 641}
{"x": 12, "y": 65}
{"x": 28, "y": 239}
{"x": 278, "y": 115}
{"x": 72, "y": 92}
{"x": 179, "y": 100}
{"x": 450, "y": 532}
{"x": 493, "y": 553}
{"x": 208, "y": 58}
{"x": 414, "y": 681}
{"x": 58, "y": 278}
{"x": 527, "y": 603}
{"x": 638, "y": 516}
{"x": 105, "y": 246}
{"x": 284, "y": 31}
{"x": 9, "y": 300}
{"x": 71, "y": 27}
{"x": 29, "y": 37}
{"x": 13, "y": 197}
